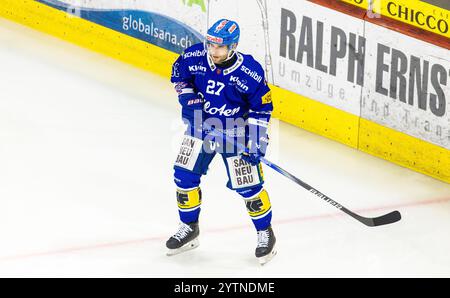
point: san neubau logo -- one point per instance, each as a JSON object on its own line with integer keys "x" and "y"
{"x": 138, "y": 25}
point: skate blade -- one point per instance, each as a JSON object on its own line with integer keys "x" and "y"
{"x": 188, "y": 246}
{"x": 266, "y": 259}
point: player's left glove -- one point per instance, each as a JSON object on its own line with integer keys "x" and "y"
{"x": 257, "y": 143}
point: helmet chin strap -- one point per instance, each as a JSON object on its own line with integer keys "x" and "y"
{"x": 231, "y": 51}
{"x": 230, "y": 55}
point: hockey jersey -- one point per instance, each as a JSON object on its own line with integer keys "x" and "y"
{"x": 239, "y": 91}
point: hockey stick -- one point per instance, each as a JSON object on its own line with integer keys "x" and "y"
{"x": 389, "y": 218}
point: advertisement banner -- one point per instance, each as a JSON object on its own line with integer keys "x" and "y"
{"x": 336, "y": 73}
{"x": 407, "y": 85}
{"x": 318, "y": 53}
{"x": 173, "y": 24}
{"x": 430, "y": 15}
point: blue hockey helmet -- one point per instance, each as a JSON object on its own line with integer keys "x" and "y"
{"x": 223, "y": 32}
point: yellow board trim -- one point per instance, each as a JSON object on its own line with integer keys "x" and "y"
{"x": 293, "y": 108}
{"x": 404, "y": 150}
{"x": 315, "y": 116}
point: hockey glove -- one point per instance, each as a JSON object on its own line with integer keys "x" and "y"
{"x": 191, "y": 103}
{"x": 257, "y": 143}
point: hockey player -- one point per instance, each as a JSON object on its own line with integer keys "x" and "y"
{"x": 218, "y": 85}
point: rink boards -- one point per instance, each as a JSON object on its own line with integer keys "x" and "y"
{"x": 353, "y": 81}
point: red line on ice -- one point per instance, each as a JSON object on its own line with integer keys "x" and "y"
{"x": 217, "y": 230}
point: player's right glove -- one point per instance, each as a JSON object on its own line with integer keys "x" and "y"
{"x": 257, "y": 142}
{"x": 191, "y": 103}
{"x": 255, "y": 150}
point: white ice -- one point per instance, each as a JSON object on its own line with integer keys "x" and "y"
{"x": 86, "y": 151}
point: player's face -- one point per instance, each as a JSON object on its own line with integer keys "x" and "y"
{"x": 218, "y": 53}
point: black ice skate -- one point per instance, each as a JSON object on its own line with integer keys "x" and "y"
{"x": 265, "y": 250}
{"x": 186, "y": 238}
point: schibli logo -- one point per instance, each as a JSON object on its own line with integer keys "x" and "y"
{"x": 195, "y": 68}
{"x": 196, "y": 53}
{"x": 214, "y": 39}
{"x": 222, "y": 111}
{"x": 252, "y": 73}
{"x": 238, "y": 82}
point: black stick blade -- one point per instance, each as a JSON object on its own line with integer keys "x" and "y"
{"x": 386, "y": 219}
